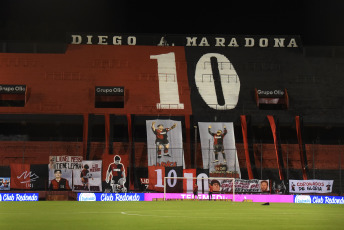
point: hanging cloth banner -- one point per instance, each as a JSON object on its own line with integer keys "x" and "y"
{"x": 165, "y": 143}
{"x": 219, "y": 152}
{"x": 310, "y": 186}
{"x": 21, "y": 176}
{"x": 89, "y": 178}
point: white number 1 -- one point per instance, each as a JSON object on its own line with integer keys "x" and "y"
{"x": 168, "y": 84}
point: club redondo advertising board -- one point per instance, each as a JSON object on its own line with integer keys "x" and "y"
{"x": 18, "y": 196}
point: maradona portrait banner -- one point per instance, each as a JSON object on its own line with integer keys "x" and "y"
{"x": 165, "y": 143}
{"x": 115, "y": 173}
{"x": 219, "y": 153}
{"x": 89, "y": 177}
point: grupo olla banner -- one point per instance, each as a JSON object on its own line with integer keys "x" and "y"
{"x": 310, "y": 186}
{"x": 111, "y": 197}
{"x": 18, "y": 196}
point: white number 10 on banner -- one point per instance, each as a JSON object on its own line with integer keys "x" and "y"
{"x": 172, "y": 174}
{"x": 172, "y": 178}
{"x": 215, "y": 77}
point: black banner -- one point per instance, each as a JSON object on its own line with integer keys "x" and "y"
{"x": 12, "y": 89}
{"x": 109, "y": 91}
{"x": 274, "y": 93}
{"x": 174, "y": 185}
{"x": 41, "y": 171}
{"x": 5, "y": 171}
{"x": 228, "y": 41}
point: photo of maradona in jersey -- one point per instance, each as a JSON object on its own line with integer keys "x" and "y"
{"x": 88, "y": 177}
{"x": 164, "y": 143}
{"x": 219, "y": 152}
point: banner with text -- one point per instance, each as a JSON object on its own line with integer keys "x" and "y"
{"x": 61, "y": 171}
{"x": 310, "y": 186}
{"x": 111, "y": 197}
{"x": 241, "y": 186}
{"x": 312, "y": 199}
{"x": 65, "y": 162}
{"x": 219, "y": 152}
{"x": 18, "y": 196}
{"x": 89, "y": 178}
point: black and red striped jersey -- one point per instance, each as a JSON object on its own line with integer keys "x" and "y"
{"x": 218, "y": 139}
{"x": 117, "y": 170}
{"x": 161, "y": 134}
{"x": 63, "y": 184}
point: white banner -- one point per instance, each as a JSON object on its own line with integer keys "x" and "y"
{"x": 165, "y": 143}
{"x": 61, "y": 171}
{"x": 65, "y": 162}
{"x": 241, "y": 186}
{"x": 310, "y": 186}
{"x": 218, "y": 149}
{"x": 89, "y": 177}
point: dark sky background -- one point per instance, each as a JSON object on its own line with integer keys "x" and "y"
{"x": 319, "y": 23}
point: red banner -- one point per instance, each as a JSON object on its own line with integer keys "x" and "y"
{"x": 247, "y": 154}
{"x": 21, "y": 176}
{"x": 188, "y": 184}
{"x": 156, "y": 176}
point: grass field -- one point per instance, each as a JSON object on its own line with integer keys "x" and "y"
{"x": 64, "y": 215}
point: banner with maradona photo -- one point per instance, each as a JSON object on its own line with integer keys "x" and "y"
{"x": 165, "y": 143}
{"x": 89, "y": 177}
{"x": 219, "y": 153}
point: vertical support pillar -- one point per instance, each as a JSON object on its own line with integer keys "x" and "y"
{"x": 107, "y": 133}
{"x": 132, "y": 179}
{"x": 85, "y": 136}
{"x": 187, "y": 156}
{"x": 302, "y": 149}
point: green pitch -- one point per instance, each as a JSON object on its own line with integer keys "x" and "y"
{"x": 65, "y": 215}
